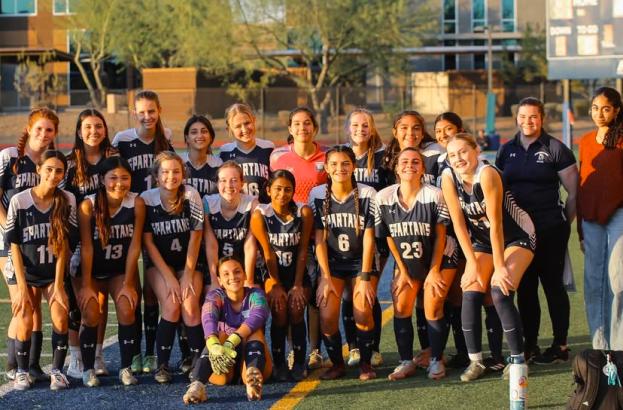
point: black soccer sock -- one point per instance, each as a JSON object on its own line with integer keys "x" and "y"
{"x": 377, "y": 315}
{"x": 365, "y": 340}
{"x": 138, "y": 322}
{"x": 509, "y": 316}
{"x": 299, "y": 341}
{"x": 128, "y": 339}
{"x": 11, "y": 361}
{"x": 333, "y": 344}
{"x": 438, "y": 335}
{"x": 59, "y": 349}
{"x": 494, "y": 331}
{"x": 403, "y": 329}
{"x": 471, "y": 320}
{"x": 75, "y": 318}
{"x": 348, "y": 321}
{"x": 457, "y": 330}
{"x": 278, "y": 343}
{"x": 88, "y": 338}
{"x": 36, "y": 343}
{"x": 422, "y": 328}
{"x": 182, "y": 340}
{"x": 165, "y": 335}
{"x": 254, "y": 355}
{"x": 22, "y": 353}
{"x": 203, "y": 368}
{"x": 150, "y": 319}
{"x": 196, "y": 341}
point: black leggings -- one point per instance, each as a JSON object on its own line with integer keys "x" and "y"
{"x": 547, "y": 266}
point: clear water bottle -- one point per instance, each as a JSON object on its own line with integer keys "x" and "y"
{"x": 518, "y": 383}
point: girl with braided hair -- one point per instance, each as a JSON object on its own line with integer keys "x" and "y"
{"x": 600, "y": 219}
{"x": 18, "y": 171}
{"x": 344, "y": 213}
{"x": 41, "y": 228}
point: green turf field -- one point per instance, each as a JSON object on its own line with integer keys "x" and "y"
{"x": 549, "y": 386}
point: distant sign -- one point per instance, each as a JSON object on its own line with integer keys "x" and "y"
{"x": 584, "y": 39}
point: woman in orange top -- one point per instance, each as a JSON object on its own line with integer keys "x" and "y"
{"x": 600, "y": 220}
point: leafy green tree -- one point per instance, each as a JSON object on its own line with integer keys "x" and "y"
{"x": 531, "y": 66}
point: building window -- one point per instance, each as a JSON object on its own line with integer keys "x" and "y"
{"x": 65, "y": 6}
{"x": 479, "y": 13}
{"x": 449, "y": 26}
{"x": 17, "y": 7}
{"x": 508, "y": 15}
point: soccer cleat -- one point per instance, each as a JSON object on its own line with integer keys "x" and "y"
{"x": 196, "y": 393}
{"x": 475, "y": 369}
{"x": 10, "y": 373}
{"x": 366, "y": 372}
{"x": 75, "y": 368}
{"x": 436, "y": 369}
{"x": 100, "y": 366}
{"x": 21, "y": 381}
{"x": 552, "y": 355}
{"x": 298, "y": 372}
{"x": 254, "y": 383}
{"x": 458, "y": 361}
{"x": 290, "y": 360}
{"x": 531, "y": 353}
{"x": 137, "y": 364}
{"x": 353, "y": 357}
{"x": 149, "y": 364}
{"x": 377, "y": 359}
{"x": 494, "y": 364}
{"x": 315, "y": 360}
{"x": 185, "y": 365}
{"x": 405, "y": 369}
{"x": 280, "y": 373}
{"x": 163, "y": 374}
{"x": 37, "y": 374}
{"x": 58, "y": 381}
{"x": 126, "y": 377}
{"x": 336, "y": 371}
{"x": 422, "y": 359}
{"x": 89, "y": 378}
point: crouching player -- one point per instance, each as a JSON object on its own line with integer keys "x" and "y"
{"x": 233, "y": 318}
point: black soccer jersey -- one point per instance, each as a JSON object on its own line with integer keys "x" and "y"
{"x": 110, "y": 260}
{"x": 171, "y": 232}
{"x": 230, "y": 233}
{"x": 345, "y": 248}
{"x": 517, "y": 224}
{"x": 29, "y": 227}
{"x": 431, "y": 152}
{"x": 90, "y": 185}
{"x": 254, "y": 163}
{"x": 12, "y": 183}
{"x": 140, "y": 156}
{"x": 377, "y": 178}
{"x": 284, "y": 238}
{"x": 204, "y": 179}
{"x": 413, "y": 230}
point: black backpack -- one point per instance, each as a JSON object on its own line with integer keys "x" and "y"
{"x": 591, "y": 384}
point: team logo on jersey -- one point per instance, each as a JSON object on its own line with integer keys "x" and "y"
{"x": 512, "y": 155}
{"x": 541, "y": 157}
{"x": 319, "y": 166}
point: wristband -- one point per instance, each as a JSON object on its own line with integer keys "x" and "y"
{"x": 365, "y": 276}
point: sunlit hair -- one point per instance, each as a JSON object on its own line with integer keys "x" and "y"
{"x": 34, "y": 116}
{"x": 101, "y": 211}
{"x": 78, "y": 154}
{"x": 178, "y": 205}
{"x": 60, "y": 209}
{"x": 392, "y": 150}
{"x": 235, "y": 109}
{"x": 452, "y": 117}
{"x": 231, "y": 164}
{"x": 310, "y": 114}
{"x": 467, "y": 138}
{"x": 205, "y": 122}
{"x": 326, "y": 204}
{"x": 614, "y": 136}
{"x": 375, "y": 139}
{"x": 160, "y": 139}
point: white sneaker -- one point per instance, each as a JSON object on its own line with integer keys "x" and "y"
{"x": 100, "y": 366}
{"x": 75, "y": 368}
{"x": 354, "y": 357}
{"x": 126, "y": 377}
{"x": 436, "y": 369}
{"x": 58, "y": 381}
{"x": 21, "y": 381}
{"x": 89, "y": 378}
{"x": 406, "y": 368}
{"x": 377, "y": 359}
